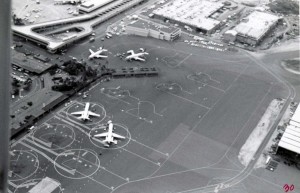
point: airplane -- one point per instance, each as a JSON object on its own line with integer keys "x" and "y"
{"x": 136, "y": 56}
{"x": 110, "y": 135}
{"x": 85, "y": 114}
{"x": 97, "y": 54}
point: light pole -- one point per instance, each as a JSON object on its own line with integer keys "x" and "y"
{"x": 5, "y": 36}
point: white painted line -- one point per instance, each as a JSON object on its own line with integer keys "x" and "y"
{"x": 149, "y": 147}
{"x": 72, "y": 172}
{"x": 40, "y": 146}
{"x": 141, "y": 157}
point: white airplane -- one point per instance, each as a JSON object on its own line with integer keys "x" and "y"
{"x": 136, "y": 56}
{"x": 110, "y": 135}
{"x": 97, "y": 54}
{"x": 85, "y": 115}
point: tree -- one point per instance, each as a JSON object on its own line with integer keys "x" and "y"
{"x": 15, "y": 91}
{"x": 27, "y": 85}
{"x": 29, "y": 103}
{"x": 90, "y": 72}
{"x": 15, "y": 83}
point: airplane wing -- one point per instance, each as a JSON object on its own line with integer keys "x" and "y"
{"x": 101, "y": 135}
{"x": 77, "y": 113}
{"x": 93, "y": 114}
{"x": 118, "y": 136}
{"x": 100, "y": 56}
{"x": 102, "y": 127}
{"x": 140, "y": 59}
{"x": 131, "y": 52}
{"x": 91, "y": 51}
{"x": 102, "y": 142}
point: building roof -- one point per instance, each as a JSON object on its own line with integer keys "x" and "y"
{"x": 150, "y": 26}
{"x": 231, "y": 32}
{"x": 191, "y": 12}
{"x": 296, "y": 115}
{"x": 47, "y": 185}
{"x": 28, "y": 63}
{"x": 290, "y": 140}
{"x": 91, "y": 5}
{"x": 296, "y": 124}
{"x": 256, "y": 24}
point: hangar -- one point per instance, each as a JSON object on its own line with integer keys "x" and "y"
{"x": 193, "y": 13}
{"x": 255, "y": 26}
{"x": 290, "y": 140}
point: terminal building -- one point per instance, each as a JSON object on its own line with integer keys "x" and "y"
{"x": 290, "y": 140}
{"x": 148, "y": 29}
{"x": 91, "y": 5}
{"x": 255, "y": 27}
{"x": 85, "y": 22}
{"x": 193, "y": 13}
{"x": 62, "y": 2}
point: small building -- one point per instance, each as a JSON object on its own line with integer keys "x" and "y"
{"x": 148, "y": 29}
{"x": 230, "y": 35}
{"x": 255, "y": 27}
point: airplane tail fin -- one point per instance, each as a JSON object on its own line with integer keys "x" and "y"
{"x": 102, "y": 48}
{"x": 91, "y": 51}
{"x": 104, "y": 142}
{"x": 131, "y": 52}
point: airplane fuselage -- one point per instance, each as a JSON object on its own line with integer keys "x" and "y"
{"x": 109, "y": 138}
{"x": 136, "y": 56}
{"x": 85, "y": 115}
{"x": 97, "y": 54}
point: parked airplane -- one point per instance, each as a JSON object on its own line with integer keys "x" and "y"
{"x": 136, "y": 56}
{"x": 110, "y": 135}
{"x": 97, "y": 54}
{"x": 85, "y": 115}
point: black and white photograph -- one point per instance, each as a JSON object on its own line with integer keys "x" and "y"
{"x": 149, "y": 96}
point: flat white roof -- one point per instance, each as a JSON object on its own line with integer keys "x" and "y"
{"x": 91, "y": 5}
{"x": 47, "y": 185}
{"x": 296, "y": 115}
{"x": 256, "y": 24}
{"x": 191, "y": 12}
{"x": 290, "y": 140}
{"x": 231, "y": 32}
{"x": 296, "y": 124}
